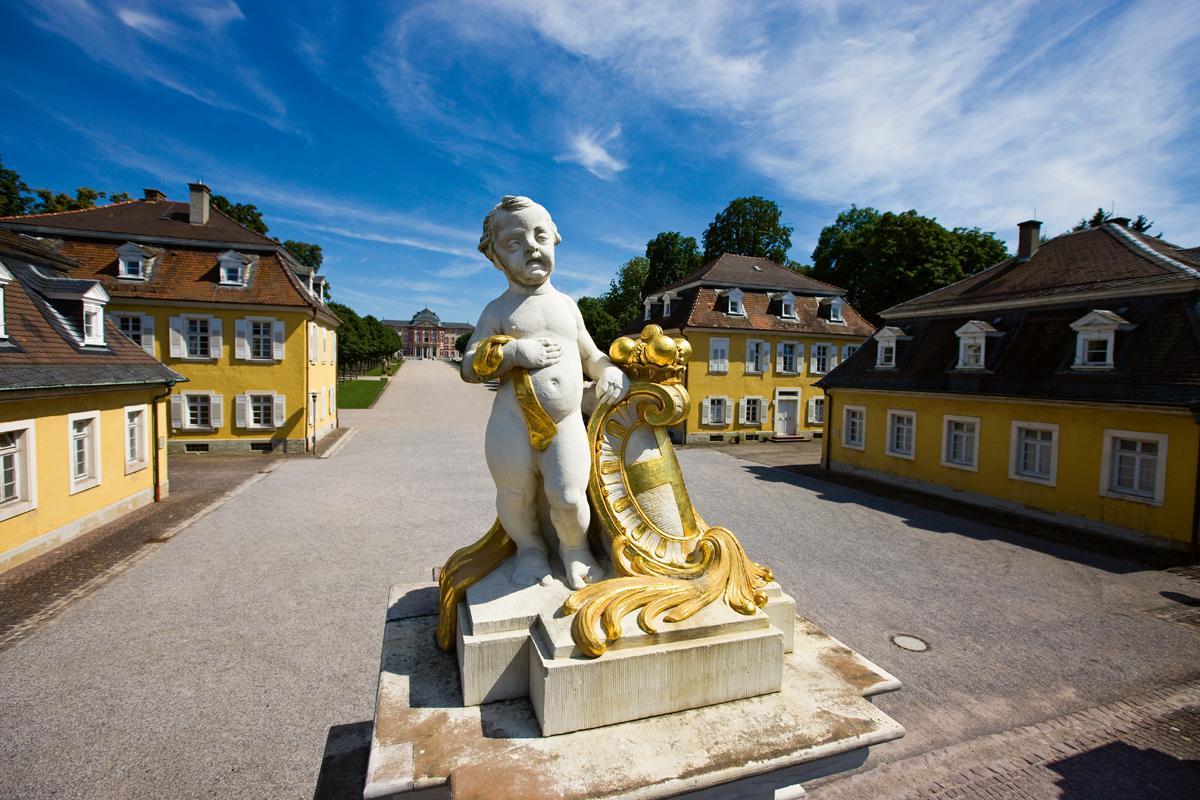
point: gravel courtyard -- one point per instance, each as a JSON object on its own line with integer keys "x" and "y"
{"x": 229, "y": 660}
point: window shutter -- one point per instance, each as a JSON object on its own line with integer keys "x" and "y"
{"x": 799, "y": 358}
{"x": 333, "y": 399}
{"x": 177, "y": 412}
{"x": 751, "y": 356}
{"x": 812, "y": 406}
{"x": 239, "y": 410}
{"x": 764, "y": 357}
{"x": 148, "y": 333}
{"x": 334, "y": 335}
{"x": 214, "y": 344}
{"x": 833, "y": 356}
{"x": 779, "y": 358}
{"x": 312, "y": 344}
{"x": 277, "y": 339}
{"x": 714, "y": 363}
{"x": 241, "y": 348}
{"x": 280, "y": 410}
{"x": 218, "y": 410}
{"x": 706, "y": 411}
{"x": 176, "y": 336}
{"x": 742, "y": 411}
{"x": 812, "y": 366}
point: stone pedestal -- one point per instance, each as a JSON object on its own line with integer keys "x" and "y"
{"x": 428, "y": 740}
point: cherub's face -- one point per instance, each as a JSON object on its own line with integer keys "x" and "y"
{"x": 524, "y": 245}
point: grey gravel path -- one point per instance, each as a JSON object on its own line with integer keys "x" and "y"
{"x": 221, "y": 664}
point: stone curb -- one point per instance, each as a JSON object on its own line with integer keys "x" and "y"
{"x": 351, "y": 431}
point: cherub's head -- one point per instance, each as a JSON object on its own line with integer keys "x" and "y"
{"x": 519, "y": 238}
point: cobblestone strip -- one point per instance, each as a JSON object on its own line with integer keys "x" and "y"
{"x": 1150, "y": 744}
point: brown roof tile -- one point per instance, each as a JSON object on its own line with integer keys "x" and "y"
{"x": 748, "y": 272}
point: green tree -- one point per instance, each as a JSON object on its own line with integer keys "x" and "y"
{"x": 749, "y": 226}
{"x": 49, "y": 202}
{"x": 1142, "y": 224}
{"x": 246, "y": 214}
{"x": 307, "y": 254}
{"x": 884, "y": 259}
{"x": 460, "y": 344}
{"x": 623, "y": 300}
{"x": 599, "y": 323}
{"x": 670, "y": 256}
{"x": 14, "y": 194}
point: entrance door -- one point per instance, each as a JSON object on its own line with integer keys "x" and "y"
{"x": 787, "y": 410}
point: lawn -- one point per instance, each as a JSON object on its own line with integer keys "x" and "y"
{"x": 358, "y": 394}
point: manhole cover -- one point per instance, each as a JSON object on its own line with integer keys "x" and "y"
{"x": 907, "y": 642}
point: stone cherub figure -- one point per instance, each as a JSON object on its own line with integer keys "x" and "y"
{"x": 533, "y": 338}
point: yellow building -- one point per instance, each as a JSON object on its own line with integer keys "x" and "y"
{"x": 1062, "y": 384}
{"x": 761, "y": 337}
{"x": 82, "y": 409}
{"x": 224, "y": 306}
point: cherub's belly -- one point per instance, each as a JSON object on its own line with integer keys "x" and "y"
{"x": 559, "y": 387}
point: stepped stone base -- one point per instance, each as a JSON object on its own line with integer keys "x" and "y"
{"x": 427, "y": 742}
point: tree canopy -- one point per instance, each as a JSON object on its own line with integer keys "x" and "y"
{"x": 607, "y": 315}
{"x": 884, "y": 259}
{"x": 460, "y": 343}
{"x": 363, "y": 338}
{"x": 307, "y": 254}
{"x": 17, "y": 198}
{"x": 246, "y": 214}
{"x": 749, "y": 226}
{"x": 669, "y": 256}
{"x": 1142, "y": 224}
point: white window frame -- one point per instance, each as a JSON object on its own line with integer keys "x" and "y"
{"x": 830, "y": 351}
{"x": 787, "y": 306}
{"x": 849, "y": 350}
{"x": 244, "y": 410}
{"x": 892, "y": 415}
{"x": 744, "y": 410}
{"x": 973, "y": 333}
{"x": 812, "y": 416}
{"x": 797, "y": 358}
{"x": 129, "y": 254}
{"x": 1098, "y": 325}
{"x": 668, "y": 299}
{"x": 95, "y": 455}
{"x": 735, "y": 303}
{"x": 1107, "y": 464}
{"x": 1082, "y": 340}
{"x": 216, "y": 411}
{"x": 885, "y": 354}
{"x": 135, "y": 462}
{"x": 718, "y": 366}
{"x": 648, "y": 303}
{"x": 859, "y": 442}
{"x": 706, "y": 412}
{"x": 243, "y": 342}
{"x": 1014, "y": 457}
{"x": 947, "y": 421}
{"x": 179, "y": 337}
{"x": 836, "y": 314}
{"x": 5, "y": 278}
{"x": 27, "y": 487}
{"x": 145, "y": 322}
{"x": 232, "y": 260}
{"x": 96, "y": 312}
{"x": 758, "y": 356}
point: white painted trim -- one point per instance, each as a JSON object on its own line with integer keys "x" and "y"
{"x": 991, "y": 398}
{"x": 27, "y": 474}
{"x": 718, "y": 371}
{"x": 1014, "y": 452}
{"x": 138, "y": 464}
{"x": 186, "y": 418}
{"x": 1160, "y": 471}
{"x": 887, "y": 442}
{"x": 96, "y": 455}
{"x": 946, "y": 462}
{"x": 862, "y": 442}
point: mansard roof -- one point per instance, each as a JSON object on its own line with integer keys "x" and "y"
{"x": 749, "y": 272}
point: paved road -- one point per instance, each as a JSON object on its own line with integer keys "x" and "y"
{"x": 233, "y": 658}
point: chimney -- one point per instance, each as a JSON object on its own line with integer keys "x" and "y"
{"x": 1122, "y": 221}
{"x": 1029, "y": 236}
{"x": 153, "y": 194}
{"x": 198, "y": 200}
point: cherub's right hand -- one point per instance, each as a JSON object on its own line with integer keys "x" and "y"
{"x": 533, "y": 353}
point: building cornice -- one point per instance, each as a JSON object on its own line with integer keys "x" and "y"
{"x": 1172, "y": 410}
{"x": 202, "y": 244}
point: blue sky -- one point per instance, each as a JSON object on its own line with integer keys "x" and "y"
{"x": 386, "y": 132}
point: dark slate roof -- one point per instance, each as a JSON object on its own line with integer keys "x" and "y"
{"x": 1157, "y": 363}
{"x": 748, "y": 272}
{"x": 44, "y": 348}
{"x": 425, "y": 315}
{"x": 1106, "y": 258}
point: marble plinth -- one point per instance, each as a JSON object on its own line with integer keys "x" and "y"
{"x": 427, "y": 743}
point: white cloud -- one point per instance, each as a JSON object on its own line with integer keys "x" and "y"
{"x": 588, "y": 150}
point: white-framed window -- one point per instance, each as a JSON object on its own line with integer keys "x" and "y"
{"x": 93, "y": 323}
{"x": 195, "y": 337}
{"x": 972, "y": 344}
{"x": 718, "y": 355}
{"x": 668, "y": 298}
{"x": 232, "y": 268}
{"x": 18, "y": 468}
{"x": 848, "y": 350}
{"x": 960, "y": 442}
{"x": 333, "y": 400}
{"x": 885, "y": 346}
{"x": 5, "y": 278}
{"x": 736, "y": 308}
{"x": 197, "y": 410}
{"x": 258, "y": 339}
{"x": 648, "y": 303}
{"x": 83, "y": 432}
{"x": 758, "y": 356}
{"x": 787, "y": 306}
{"x": 312, "y": 342}
{"x": 139, "y": 328}
{"x": 132, "y": 262}
{"x": 854, "y": 427}
{"x": 137, "y": 438}
{"x": 261, "y": 339}
{"x": 751, "y": 410}
{"x": 1134, "y": 466}
{"x": 1096, "y": 338}
{"x": 1033, "y": 453}
{"x": 789, "y": 358}
{"x": 260, "y": 410}
{"x": 902, "y": 434}
{"x": 823, "y": 358}
{"x": 715, "y": 411}
{"x": 816, "y": 410}
{"x": 835, "y": 310}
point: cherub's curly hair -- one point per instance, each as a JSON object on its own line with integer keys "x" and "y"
{"x": 509, "y": 203}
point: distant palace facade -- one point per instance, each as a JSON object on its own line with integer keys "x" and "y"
{"x": 426, "y": 336}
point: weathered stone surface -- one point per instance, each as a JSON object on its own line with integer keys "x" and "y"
{"x": 820, "y": 721}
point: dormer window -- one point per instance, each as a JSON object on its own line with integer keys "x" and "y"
{"x": 132, "y": 262}
{"x": 93, "y": 323}
{"x": 649, "y": 304}
{"x": 885, "y": 347}
{"x": 667, "y": 299}
{"x": 972, "y": 344}
{"x": 5, "y": 278}
{"x": 232, "y": 268}
{"x": 735, "y": 307}
{"x": 787, "y": 305}
{"x": 835, "y": 310}
{"x": 1095, "y": 339}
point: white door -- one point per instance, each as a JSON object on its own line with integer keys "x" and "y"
{"x": 786, "y": 411}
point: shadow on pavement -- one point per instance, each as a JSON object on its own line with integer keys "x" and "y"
{"x": 1119, "y": 770}
{"x": 343, "y": 774}
{"x": 940, "y": 515}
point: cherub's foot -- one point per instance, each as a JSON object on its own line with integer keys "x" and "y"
{"x": 581, "y": 567}
{"x": 532, "y": 567}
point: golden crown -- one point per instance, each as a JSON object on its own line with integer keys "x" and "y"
{"x": 653, "y": 356}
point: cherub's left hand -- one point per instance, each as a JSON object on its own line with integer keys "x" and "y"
{"x": 612, "y": 385}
